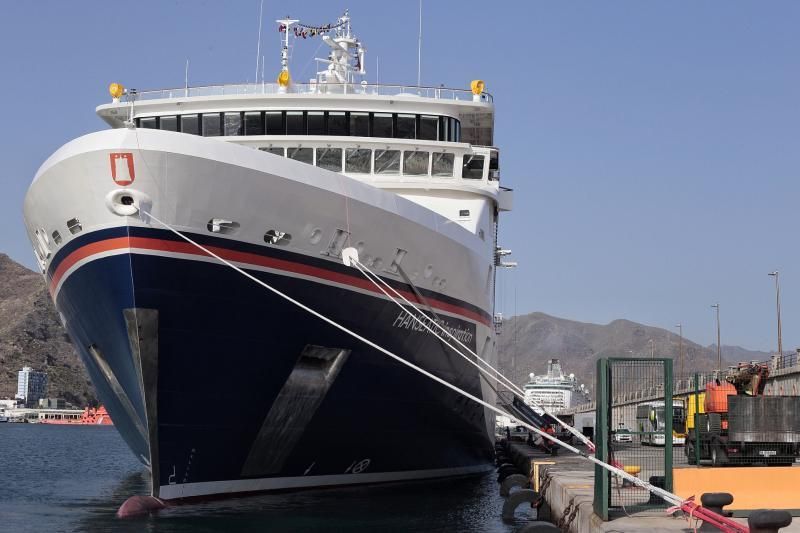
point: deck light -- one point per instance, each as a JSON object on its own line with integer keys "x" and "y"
{"x": 116, "y": 90}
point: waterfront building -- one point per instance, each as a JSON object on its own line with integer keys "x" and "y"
{"x": 31, "y": 385}
{"x": 52, "y": 403}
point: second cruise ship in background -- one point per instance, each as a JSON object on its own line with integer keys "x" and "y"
{"x": 554, "y": 391}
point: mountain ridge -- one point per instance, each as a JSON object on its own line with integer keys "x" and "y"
{"x": 528, "y": 341}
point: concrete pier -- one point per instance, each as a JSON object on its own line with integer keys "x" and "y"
{"x": 566, "y": 482}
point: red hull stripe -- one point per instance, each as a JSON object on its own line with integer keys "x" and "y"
{"x": 246, "y": 258}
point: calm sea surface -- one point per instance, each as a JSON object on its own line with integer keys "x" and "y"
{"x": 74, "y": 478}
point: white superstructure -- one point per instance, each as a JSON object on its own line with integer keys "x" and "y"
{"x": 554, "y": 391}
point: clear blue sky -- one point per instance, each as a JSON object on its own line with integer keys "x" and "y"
{"x": 654, "y": 147}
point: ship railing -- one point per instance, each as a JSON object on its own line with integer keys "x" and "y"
{"x": 255, "y": 89}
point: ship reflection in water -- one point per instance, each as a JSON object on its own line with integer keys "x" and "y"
{"x": 73, "y": 478}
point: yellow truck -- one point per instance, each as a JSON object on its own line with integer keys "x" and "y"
{"x": 694, "y": 407}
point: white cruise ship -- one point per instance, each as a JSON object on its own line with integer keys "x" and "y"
{"x": 554, "y": 391}
{"x": 277, "y": 179}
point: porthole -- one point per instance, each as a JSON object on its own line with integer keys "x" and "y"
{"x": 74, "y": 225}
{"x": 428, "y": 272}
{"x": 316, "y": 236}
{"x": 280, "y": 238}
{"x": 57, "y": 237}
{"x": 220, "y": 225}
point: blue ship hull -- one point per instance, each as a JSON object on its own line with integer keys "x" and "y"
{"x": 221, "y": 386}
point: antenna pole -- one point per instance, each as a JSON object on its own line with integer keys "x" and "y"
{"x": 186, "y": 78}
{"x": 419, "y": 48}
{"x": 258, "y": 46}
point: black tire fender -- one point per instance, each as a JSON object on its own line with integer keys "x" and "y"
{"x": 515, "y": 499}
{"x": 514, "y": 480}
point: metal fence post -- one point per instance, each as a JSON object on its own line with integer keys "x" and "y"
{"x": 696, "y": 412}
{"x": 668, "y": 429}
{"x": 602, "y": 480}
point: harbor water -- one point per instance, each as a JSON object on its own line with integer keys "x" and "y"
{"x": 74, "y": 478}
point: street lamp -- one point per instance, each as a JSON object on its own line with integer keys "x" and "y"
{"x": 652, "y": 348}
{"x": 778, "y": 306}
{"x": 719, "y": 346}
{"x": 680, "y": 348}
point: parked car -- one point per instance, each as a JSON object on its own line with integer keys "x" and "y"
{"x": 623, "y": 435}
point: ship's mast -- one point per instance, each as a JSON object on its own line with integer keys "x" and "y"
{"x": 342, "y": 44}
{"x": 283, "y": 77}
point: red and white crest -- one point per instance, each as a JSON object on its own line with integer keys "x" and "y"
{"x": 122, "y": 168}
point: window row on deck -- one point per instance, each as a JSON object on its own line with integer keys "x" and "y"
{"x": 339, "y": 123}
{"x": 390, "y": 162}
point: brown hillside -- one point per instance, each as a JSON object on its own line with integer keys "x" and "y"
{"x": 31, "y": 334}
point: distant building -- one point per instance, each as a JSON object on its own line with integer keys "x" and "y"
{"x": 31, "y": 385}
{"x": 52, "y": 403}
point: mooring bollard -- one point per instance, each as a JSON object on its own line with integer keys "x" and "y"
{"x": 768, "y": 520}
{"x": 714, "y": 502}
{"x": 656, "y": 481}
{"x": 632, "y": 470}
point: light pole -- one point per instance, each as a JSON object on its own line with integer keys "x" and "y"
{"x": 778, "y": 306}
{"x": 680, "y": 349}
{"x": 652, "y": 349}
{"x": 719, "y": 346}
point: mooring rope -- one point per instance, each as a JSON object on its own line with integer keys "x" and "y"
{"x": 378, "y": 281}
{"x": 667, "y": 496}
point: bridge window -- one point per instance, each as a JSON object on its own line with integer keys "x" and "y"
{"x": 337, "y": 123}
{"x": 442, "y": 165}
{"x": 406, "y": 127}
{"x": 272, "y": 150}
{"x": 295, "y": 123}
{"x": 316, "y": 123}
{"x": 274, "y": 123}
{"x": 233, "y": 123}
{"x": 212, "y": 125}
{"x": 190, "y": 124}
{"x": 473, "y": 167}
{"x": 358, "y": 160}
{"x": 382, "y": 125}
{"x": 415, "y": 163}
{"x": 148, "y": 122}
{"x": 304, "y": 155}
{"x": 359, "y": 124}
{"x": 494, "y": 165}
{"x": 330, "y": 159}
{"x": 428, "y": 128}
{"x": 168, "y": 123}
{"x": 444, "y": 128}
{"x": 253, "y": 123}
{"x": 387, "y": 161}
